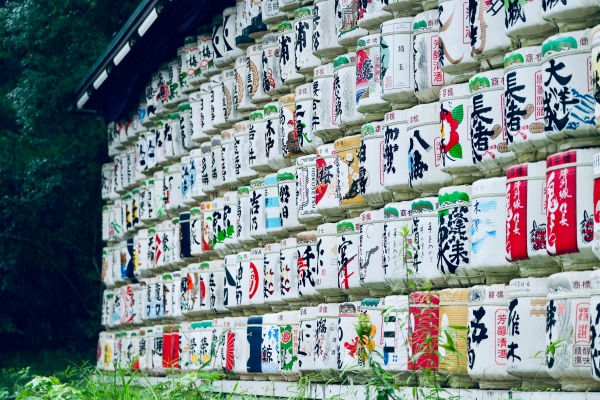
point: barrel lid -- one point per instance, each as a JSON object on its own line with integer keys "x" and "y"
{"x": 488, "y": 295}
{"x": 426, "y": 22}
{"x": 303, "y": 13}
{"x": 345, "y": 60}
{"x": 270, "y": 319}
{"x": 287, "y": 318}
{"x": 596, "y": 165}
{"x": 424, "y": 206}
{"x": 309, "y": 237}
{"x": 241, "y": 128}
{"x": 257, "y": 183}
{"x": 255, "y": 49}
{"x": 423, "y": 299}
{"x": 201, "y": 325}
{"x": 372, "y": 216}
{"x": 269, "y": 40}
{"x": 454, "y": 296}
{"x": 574, "y": 284}
{"x": 216, "y": 142}
{"x": 452, "y": 196}
{"x": 423, "y": 114}
{"x": 256, "y": 116}
{"x": 348, "y": 227}
{"x": 205, "y": 87}
{"x": 329, "y": 229}
{"x": 286, "y": 175}
{"x": 366, "y": 42}
{"x": 371, "y": 304}
{"x": 288, "y": 243}
{"x": 306, "y": 161}
{"x": 287, "y": 99}
{"x": 241, "y": 62}
{"x": 326, "y": 150}
{"x": 308, "y": 313}
{"x": 528, "y": 287}
{"x": 226, "y": 135}
{"x": 451, "y": 92}
{"x": 491, "y": 187}
{"x": 372, "y": 130}
{"x": 272, "y": 248}
{"x": 567, "y": 42}
{"x": 395, "y": 117}
{"x": 488, "y": 80}
{"x": 347, "y": 143}
{"x": 284, "y": 27}
{"x": 397, "y": 26}
{"x": 401, "y": 210}
{"x": 323, "y": 71}
{"x": 230, "y": 259}
{"x": 243, "y": 191}
{"x": 257, "y": 253}
{"x": 271, "y": 111}
{"x": 328, "y": 310}
{"x": 523, "y": 57}
{"x": 206, "y": 148}
{"x": 304, "y": 92}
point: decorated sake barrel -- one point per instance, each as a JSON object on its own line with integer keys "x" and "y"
{"x": 429, "y": 77}
{"x": 526, "y": 324}
{"x": 197, "y": 341}
{"x": 288, "y": 345}
{"x": 105, "y": 223}
{"x": 173, "y": 195}
{"x": 324, "y": 37}
{"x": 218, "y": 227}
{"x": 165, "y": 241}
{"x": 395, "y": 142}
{"x": 372, "y": 164}
{"x": 289, "y": 270}
{"x": 352, "y": 349}
{"x": 347, "y": 116}
{"x": 368, "y": 74}
{"x": 145, "y": 159}
{"x": 306, "y": 181}
{"x": 230, "y": 222}
{"x": 571, "y": 16}
{"x": 397, "y": 245}
{"x": 326, "y": 349}
{"x": 196, "y": 233}
{"x": 129, "y": 168}
{"x": 272, "y": 275}
{"x": 307, "y": 317}
{"x": 215, "y": 277}
{"x": 108, "y": 185}
{"x": 206, "y": 124}
{"x": 290, "y": 145}
{"x": 269, "y": 359}
{"x": 146, "y": 206}
{"x": 371, "y": 255}
{"x": 184, "y": 238}
{"x": 241, "y": 93}
{"x": 568, "y": 91}
{"x": 349, "y": 179}
{"x": 287, "y": 55}
{"x": 454, "y": 314}
{"x": 286, "y": 181}
{"x": 172, "y": 281}
{"x": 392, "y": 311}
{"x": 244, "y": 217}
{"x": 274, "y": 138}
{"x": 424, "y": 212}
{"x": 256, "y": 278}
{"x": 207, "y": 55}
{"x": 143, "y": 348}
{"x": 173, "y": 81}
{"x": 237, "y": 348}
{"x": 189, "y": 179}
{"x": 307, "y": 141}
{"x": 106, "y": 351}
{"x": 594, "y": 328}
{"x": 230, "y": 95}
{"x": 304, "y": 45}
{"x": 488, "y": 232}
{"x": 327, "y": 281}
{"x": 197, "y": 280}
{"x": 217, "y": 109}
{"x": 371, "y": 15}
{"x": 117, "y": 221}
{"x": 177, "y": 260}
{"x": 424, "y": 149}
{"x": 218, "y": 344}
{"x": 242, "y": 22}
{"x": 487, "y": 21}
{"x": 327, "y": 197}
{"x": 228, "y": 165}
{"x": 216, "y": 163}
{"x": 158, "y": 300}
{"x": 324, "y": 117}
{"x": 208, "y": 233}
{"x": 271, "y": 13}
{"x": 258, "y": 228}
{"x": 162, "y": 89}
{"x": 257, "y": 153}
{"x": 230, "y": 32}
{"x": 488, "y": 133}
{"x": 156, "y": 349}
{"x": 256, "y": 28}
{"x": 595, "y": 72}
{"x": 272, "y": 211}
{"x": 346, "y": 22}
{"x": 191, "y": 63}
{"x": 205, "y": 167}
{"x": 241, "y": 149}
{"x": 161, "y": 144}
{"x": 570, "y": 209}
{"x": 186, "y": 129}
{"x": 113, "y": 139}
{"x": 271, "y": 76}
{"x": 308, "y": 265}
{"x": 254, "y": 339}
{"x": 151, "y": 104}
{"x": 229, "y": 284}
{"x": 119, "y": 309}
{"x": 185, "y": 351}
{"x": 107, "y": 278}
{"x": 424, "y": 324}
{"x": 348, "y": 249}
{"x": 254, "y": 76}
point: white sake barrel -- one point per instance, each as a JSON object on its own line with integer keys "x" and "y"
{"x": 216, "y": 163}
{"x": 324, "y": 117}
{"x": 143, "y": 348}
{"x": 307, "y": 331}
{"x": 230, "y": 32}
{"x": 185, "y": 301}
{"x": 254, "y": 76}
{"x": 596, "y": 72}
{"x": 404, "y": 7}
{"x": 488, "y": 326}
{"x": 596, "y": 197}
{"x": 526, "y": 220}
{"x": 158, "y": 300}
{"x": 242, "y": 22}
{"x": 258, "y": 228}
{"x": 286, "y": 180}
{"x": 177, "y": 260}
{"x": 454, "y": 38}
{"x": 348, "y": 256}
{"x": 105, "y": 223}
{"x": 288, "y": 345}
{"x": 308, "y": 266}
{"x": 429, "y": 77}
{"x": 272, "y": 275}
{"x": 397, "y": 75}
{"x": 424, "y": 149}
{"x": 186, "y": 181}
{"x": 273, "y": 138}
{"x": 568, "y": 89}
{"x": 351, "y": 354}
{"x": 257, "y": 151}
{"x": 119, "y": 309}
{"x": 173, "y": 195}
{"x": 570, "y": 209}
{"x": 186, "y": 129}
{"x": 574, "y": 15}
{"x": 289, "y": 270}
{"x": 270, "y": 345}
{"x": 524, "y": 104}
{"x": 189, "y": 350}
{"x": 256, "y": 278}
{"x": 488, "y": 232}
{"x": 271, "y": 80}
{"x": 232, "y": 115}
{"x": 327, "y": 196}
{"x": 107, "y": 278}
{"x": 396, "y": 178}
{"x": 526, "y": 324}
{"x": 172, "y": 281}
{"x": 454, "y": 229}
{"x": 348, "y": 153}
{"x": 254, "y": 338}
{"x": 218, "y": 227}
{"x": 119, "y": 175}
{"x": 218, "y": 345}
{"x": 192, "y": 61}
{"x": 327, "y": 281}
{"x": 372, "y": 14}
{"x": 271, "y": 13}
{"x": 229, "y": 284}
{"x": 217, "y": 109}
{"x": 368, "y": 74}
{"x": 242, "y": 89}
{"x": 130, "y": 167}
{"x": 488, "y": 133}
{"x": 145, "y": 159}
{"x": 393, "y": 337}
{"x": 205, "y": 109}
{"x": 198, "y": 173}
{"x": 487, "y": 21}
{"x": 199, "y": 284}
{"x": 455, "y": 138}
{"x": 215, "y": 279}
{"x": 371, "y": 273}
{"x": 196, "y": 233}
{"x": 306, "y": 61}
{"x": 304, "y": 117}
{"x": 324, "y": 37}
{"x": 162, "y": 89}
{"x": 287, "y": 55}
{"x": 375, "y": 310}
{"x": 525, "y": 22}
{"x": 148, "y": 300}
{"x": 106, "y": 351}
{"x": 346, "y": 23}
{"x": 207, "y": 54}
{"x": 155, "y": 353}
{"x": 256, "y": 27}
{"x": 230, "y": 222}
{"x": 173, "y": 80}
{"x": 165, "y": 241}
{"x": 290, "y": 144}
{"x": 326, "y": 354}
{"x": 117, "y": 221}
{"x": 208, "y": 233}
{"x": 568, "y": 328}
{"x": 397, "y": 238}
{"x": 347, "y": 116}
{"x": 273, "y": 222}
{"x": 305, "y": 194}
{"x": 151, "y": 102}
{"x": 108, "y": 192}
{"x": 372, "y": 164}
{"x": 205, "y": 165}
{"x": 240, "y": 351}
{"x": 241, "y": 149}
{"x": 244, "y": 217}
{"x": 158, "y": 193}
{"x": 228, "y": 165}
{"x": 424, "y": 212}
{"x": 146, "y": 206}
{"x": 594, "y": 326}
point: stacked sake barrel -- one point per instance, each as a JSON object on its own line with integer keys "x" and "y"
{"x": 302, "y": 178}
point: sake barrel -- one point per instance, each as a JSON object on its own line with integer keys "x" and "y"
{"x": 594, "y": 329}
{"x": 143, "y": 348}
{"x": 185, "y": 238}
{"x": 205, "y": 162}
{"x": 371, "y": 272}
{"x": 145, "y": 160}
{"x": 324, "y": 37}
{"x": 289, "y": 270}
{"x": 119, "y": 309}
{"x": 348, "y": 248}
{"x": 372, "y": 164}
{"x": 256, "y": 28}
{"x": 215, "y": 287}
{"x": 568, "y": 323}
{"x": 287, "y": 55}
{"x": 327, "y": 281}
{"x": 203, "y": 278}
{"x": 424, "y": 213}
{"x": 272, "y": 275}
{"x": 232, "y": 115}
{"x": 271, "y": 13}
{"x": 105, "y": 223}
{"x": 568, "y": 91}
{"x": 327, "y": 196}
{"x": 218, "y": 344}
{"x": 218, "y": 227}
{"x": 455, "y": 137}
{"x": 206, "y": 51}
{"x": 308, "y": 265}
{"x": 303, "y": 27}
{"x": 175, "y": 85}
{"x": 106, "y": 351}
{"x": 192, "y": 61}
{"x": 488, "y": 232}
{"x": 303, "y": 96}
{"x": 205, "y": 109}
{"x": 164, "y": 253}
{"x": 196, "y": 233}
{"x": 155, "y": 353}
{"x": 596, "y": 242}
{"x": 393, "y": 336}
{"x": 173, "y": 194}
{"x": 290, "y": 145}
{"x": 454, "y": 221}
{"x": 199, "y": 343}
{"x": 208, "y": 233}
{"x": 397, "y": 244}
{"x": 159, "y": 138}
{"x": 199, "y": 176}
{"x": 488, "y": 133}
{"x": 424, "y": 323}
{"x": 216, "y": 164}
{"x": 242, "y": 21}
{"x": 254, "y": 339}
{"x": 146, "y": 205}
{"x": 526, "y": 220}
{"x": 525, "y": 22}
{"x": 424, "y": 149}
{"x": 108, "y": 186}
{"x": 371, "y": 15}
{"x": 429, "y": 77}
{"x": 347, "y": 117}
{"x": 270, "y": 345}
{"x": 242, "y": 89}
{"x": 162, "y": 89}
{"x": 241, "y": 148}
{"x": 230, "y": 32}
{"x": 186, "y": 129}
{"x": 217, "y": 109}
{"x": 189, "y": 178}
{"x": 254, "y": 76}
{"x": 396, "y": 177}
{"x": 368, "y": 74}
{"x": 230, "y": 222}
{"x": 271, "y": 80}
{"x": 286, "y": 181}
{"x": 454, "y": 313}
{"x": 172, "y": 281}
{"x": 568, "y": 17}
{"x": 113, "y": 139}
{"x": 229, "y": 284}
{"x": 524, "y": 104}
{"x": 526, "y": 323}
{"x": 228, "y": 160}
{"x": 352, "y": 349}
{"x": 185, "y": 350}
{"x": 349, "y": 155}
{"x": 257, "y": 150}
{"x": 244, "y": 217}
{"x": 106, "y": 277}
{"x": 237, "y": 350}
{"x": 326, "y": 352}
{"x": 120, "y": 176}
{"x": 570, "y": 209}
{"x": 288, "y": 345}
{"x": 118, "y": 221}
{"x": 306, "y": 181}
{"x": 274, "y": 138}
{"x": 397, "y": 77}
{"x": 256, "y": 272}
{"x": 346, "y": 23}
{"x": 307, "y": 331}
{"x": 272, "y": 211}
{"x": 130, "y": 167}
{"x": 486, "y": 22}
{"x": 177, "y": 261}
{"x": 151, "y": 102}
{"x": 324, "y": 119}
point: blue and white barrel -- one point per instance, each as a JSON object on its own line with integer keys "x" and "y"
{"x": 242, "y": 281}
{"x": 394, "y": 334}
{"x": 286, "y": 180}
{"x": 272, "y": 210}
{"x": 229, "y": 284}
{"x": 270, "y": 345}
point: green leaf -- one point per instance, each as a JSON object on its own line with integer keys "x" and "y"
{"x": 458, "y": 113}
{"x": 456, "y": 151}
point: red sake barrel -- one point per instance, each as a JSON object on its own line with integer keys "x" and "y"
{"x": 424, "y": 322}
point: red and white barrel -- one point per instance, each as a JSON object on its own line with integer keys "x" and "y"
{"x": 324, "y": 37}
{"x": 424, "y": 213}
{"x": 397, "y": 243}
{"x": 371, "y": 256}
{"x": 368, "y": 74}
{"x": 347, "y": 117}
{"x": 289, "y": 270}
{"x": 256, "y": 279}
{"x": 324, "y": 118}
{"x": 306, "y": 61}
{"x": 308, "y": 266}
{"x": 487, "y": 21}
{"x": 258, "y": 226}
{"x": 327, "y": 250}
{"x": 395, "y": 178}
{"x": 305, "y": 115}
{"x": 423, "y": 325}
{"x": 327, "y": 198}
{"x": 455, "y": 42}
{"x": 326, "y": 352}
{"x": 208, "y": 232}
{"x": 429, "y": 77}
{"x": 286, "y": 181}
{"x": 306, "y": 182}
{"x": 348, "y": 249}
{"x": 570, "y": 209}
{"x": 257, "y": 149}
{"x": 287, "y": 55}
{"x": 241, "y": 148}
{"x": 244, "y": 217}
{"x": 372, "y": 164}
{"x": 272, "y": 275}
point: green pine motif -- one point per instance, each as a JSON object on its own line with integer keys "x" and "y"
{"x": 287, "y": 348}
{"x": 456, "y": 151}
{"x": 458, "y": 113}
{"x": 198, "y": 72}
